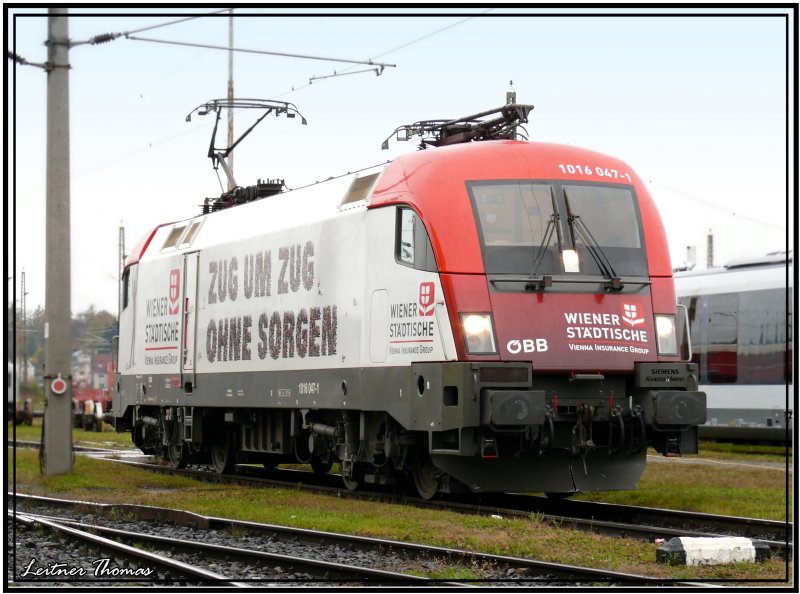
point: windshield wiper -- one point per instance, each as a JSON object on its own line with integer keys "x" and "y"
{"x": 598, "y": 255}
{"x": 548, "y": 233}
{"x": 537, "y": 284}
{"x": 576, "y": 224}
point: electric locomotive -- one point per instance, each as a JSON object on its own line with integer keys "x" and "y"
{"x": 487, "y": 314}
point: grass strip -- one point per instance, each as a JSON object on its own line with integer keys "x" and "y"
{"x": 103, "y": 481}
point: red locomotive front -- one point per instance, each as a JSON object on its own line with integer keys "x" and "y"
{"x": 557, "y": 279}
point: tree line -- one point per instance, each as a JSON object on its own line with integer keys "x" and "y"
{"x": 90, "y": 331}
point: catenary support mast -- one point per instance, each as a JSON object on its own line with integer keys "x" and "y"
{"x": 230, "y": 99}
{"x": 58, "y": 406}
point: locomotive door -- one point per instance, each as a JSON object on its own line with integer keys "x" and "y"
{"x": 127, "y": 318}
{"x": 189, "y": 330}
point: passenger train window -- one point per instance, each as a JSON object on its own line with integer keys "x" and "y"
{"x": 412, "y": 244}
{"x": 714, "y": 321}
{"x": 762, "y": 337}
{"x": 740, "y": 338}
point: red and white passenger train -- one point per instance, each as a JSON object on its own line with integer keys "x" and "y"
{"x": 496, "y": 315}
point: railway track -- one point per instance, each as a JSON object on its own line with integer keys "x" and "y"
{"x": 259, "y": 567}
{"x": 642, "y": 523}
{"x": 247, "y": 544}
{"x": 638, "y": 522}
{"x": 648, "y": 524}
{"x": 129, "y": 563}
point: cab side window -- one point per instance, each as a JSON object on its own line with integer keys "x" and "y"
{"x": 412, "y": 245}
{"x": 125, "y": 287}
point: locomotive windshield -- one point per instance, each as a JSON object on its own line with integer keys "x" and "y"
{"x": 528, "y": 225}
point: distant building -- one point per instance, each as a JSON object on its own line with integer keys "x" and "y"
{"x": 100, "y": 365}
{"x": 90, "y": 369}
{"x": 91, "y": 373}
{"x": 81, "y": 369}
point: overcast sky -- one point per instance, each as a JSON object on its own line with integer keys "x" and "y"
{"x": 694, "y": 100}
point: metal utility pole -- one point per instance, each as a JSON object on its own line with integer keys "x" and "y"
{"x": 230, "y": 99}
{"x": 58, "y": 391}
{"x": 24, "y": 354}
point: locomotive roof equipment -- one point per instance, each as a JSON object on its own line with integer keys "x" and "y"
{"x": 218, "y": 156}
{"x": 478, "y": 126}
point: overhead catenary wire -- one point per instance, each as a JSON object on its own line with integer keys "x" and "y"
{"x": 389, "y": 51}
{"x": 106, "y": 37}
{"x": 432, "y": 33}
{"x": 710, "y": 204}
{"x": 345, "y": 72}
{"x": 335, "y": 74}
{"x": 262, "y": 52}
{"x": 175, "y": 22}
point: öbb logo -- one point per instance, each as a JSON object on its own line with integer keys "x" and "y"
{"x": 427, "y": 292}
{"x": 174, "y": 290}
{"x": 528, "y": 345}
{"x": 630, "y": 315}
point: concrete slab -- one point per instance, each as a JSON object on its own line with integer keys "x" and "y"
{"x": 711, "y": 551}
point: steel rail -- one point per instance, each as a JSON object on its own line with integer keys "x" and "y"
{"x": 99, "y": 541}
{"x": 536, "y": 571}
{"x": 647, "y": 520}
{"x": 78, "y": 448}
{"x": 603, "y": 518}
{"x": 317, "y": 567}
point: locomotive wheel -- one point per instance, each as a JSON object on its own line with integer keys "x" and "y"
{"x": 320, "y": 467}
{"x": 559, "y": 495}
{"x": 353, "y": 483}
{"x": 269, "y": 462}
{"x": 222, "y": 456}
{"x": 176, "y": 456}
{"x": 426, "y": 478}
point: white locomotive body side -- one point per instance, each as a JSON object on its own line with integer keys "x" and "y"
{"x": 317, "y": 295}
{"x": 320, "y": 294}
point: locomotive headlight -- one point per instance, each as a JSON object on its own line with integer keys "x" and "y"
{"x": 667, "y": 337}
{"x": 478, "y": 333}
{"x": 570, "y": 258}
